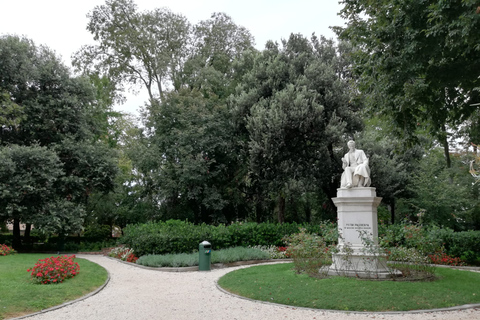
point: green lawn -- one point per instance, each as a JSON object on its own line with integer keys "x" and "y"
{"x": 19, "y": 295}
{"x": 278, "y": 283}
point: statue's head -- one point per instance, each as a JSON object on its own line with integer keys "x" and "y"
{"x": 351, "y": 145}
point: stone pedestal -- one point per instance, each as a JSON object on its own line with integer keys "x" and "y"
{"x": 359, "y": 254}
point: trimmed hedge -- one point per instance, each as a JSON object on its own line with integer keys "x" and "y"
{"x": 70, "y": 244}
{"x": 464, "y": 244}
{"x": 176, "y": 236}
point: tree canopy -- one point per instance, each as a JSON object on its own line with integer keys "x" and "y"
{"x": 54, "y": 160}
{"x": 417, "y": 61}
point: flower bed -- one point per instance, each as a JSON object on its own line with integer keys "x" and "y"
{"x": 6, "y": 250}
{"x": 441, "y": 257}
{"x": 124, "y": 254}
{"x": 54, "y": 269}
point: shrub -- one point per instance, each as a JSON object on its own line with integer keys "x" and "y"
{"x": 176, "y": 236}
{"x": 191, "y": 259}
{"x": 309, "y": 252}
{"x": 124, "y": 254}
{"x": 98, "y": 232}
{"x": 464, "y": 244}
{"x": 6, "y": 250}
{"x": 442, "y": 258}
{"x": 238, "y": 254}
{"x": 54, "y": 269}
{"x": 413, "y": 264}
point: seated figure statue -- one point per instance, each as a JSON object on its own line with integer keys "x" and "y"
{"x": 356, "y": 171}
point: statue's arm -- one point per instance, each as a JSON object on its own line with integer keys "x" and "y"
{"x": 344, "y": 162}
{"x": 364, "y": 158}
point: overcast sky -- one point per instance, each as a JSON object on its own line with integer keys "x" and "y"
{"x": 61, "y": 24}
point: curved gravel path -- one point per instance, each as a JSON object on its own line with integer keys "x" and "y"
{"x": 136, "y": 293}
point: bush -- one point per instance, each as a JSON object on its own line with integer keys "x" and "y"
{"x": 98, "y": 232}
{"x": 54, "y": 269}
{"x": 274, "y": 252}
{"x": 191, "y": 259}
{"x": 6, "y": 250}
{"x": 124, "y": 254}
{"x": 309, "y": 252}
{"x": 464, "y": 245}
{"x": 176, "y": 236}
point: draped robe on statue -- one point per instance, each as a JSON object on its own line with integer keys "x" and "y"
{"x": 356, "y": 170}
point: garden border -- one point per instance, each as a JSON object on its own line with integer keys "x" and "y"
{"x": 456, "y": 308}
{"x": 88, "y": 295}
{"x": 195, "y": 268}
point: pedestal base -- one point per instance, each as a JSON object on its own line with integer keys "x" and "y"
{"x": 361, "y": 265}
{"x": 358, "y": 253}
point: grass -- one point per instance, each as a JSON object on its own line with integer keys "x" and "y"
{"x": 191, "y": 259}
{"x": 280, "y": 284}
{"x": 20, "y": 296}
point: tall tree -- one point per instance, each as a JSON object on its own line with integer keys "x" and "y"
{"x": 297, "y": 105}
{"x": 418, "y": 61}
{"x": 190, "y": 163}
{"x": 55, "y": 111}
{"x": 217, "y": 43}
{"x": 145, "y": 48}
{"x": 28, "y": 182}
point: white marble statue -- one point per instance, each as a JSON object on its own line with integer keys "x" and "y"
{"x": 355, "y": 165}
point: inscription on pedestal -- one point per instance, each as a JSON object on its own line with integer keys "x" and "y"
{"x": 357, "y": 226}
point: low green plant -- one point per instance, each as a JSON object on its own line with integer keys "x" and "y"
{"x": 238, "y": 254}
{"x": 124, "y": 254}
{"x": 54, "y": 270}
{"x": 275, "y": 252}
{"x": 191, "y": 259}
{"x": 440, "y": 257}
{"x": 6, "y": 250}
{"x": 309, "y": 252}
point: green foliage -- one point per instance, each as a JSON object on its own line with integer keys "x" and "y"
{"x": 292, "y": 108}
{"x": 148, "y": 48}
{"x": 98, "y": 232}
{"x": 54, "y": 159}
{"x": 464, "y": 245}
{"x": 409, "y": 66}
{"x": 6, "y": 250}
{"x": 175, "y": 236}
{"x": 441, "y": 195}
{"x": 228, "y": 255}
{"x": 430, "y": 240}
{"x": 409, "y": 235}
{"x": 28, "y": 180}
{"x": 309, "y": 252}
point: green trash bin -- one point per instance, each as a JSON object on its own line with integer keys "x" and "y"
{"x": 205, "y": 258}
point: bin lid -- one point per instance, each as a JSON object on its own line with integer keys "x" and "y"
{"x": 205, "y": 243}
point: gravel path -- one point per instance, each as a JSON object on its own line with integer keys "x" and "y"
{"x": 136, "y": 293}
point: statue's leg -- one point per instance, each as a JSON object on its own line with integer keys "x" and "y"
{"x": 343, "y": 181}
{"x": 355, "y": 181}
{"x": 361, "y": 181}
{"x": 348, "y": 177}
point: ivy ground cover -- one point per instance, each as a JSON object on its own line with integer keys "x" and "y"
{"x": 19, "y": 295}
{"x": 280, "y": 284}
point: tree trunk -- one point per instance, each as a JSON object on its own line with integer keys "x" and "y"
{"x": 308, "y": 211}
{"x": 392, "y": 211}
{"x": 281, "y": 209}
{"x": 26, "y": 235}
{"x": 446, "y": 147}
{"x": 17, "y": 240}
